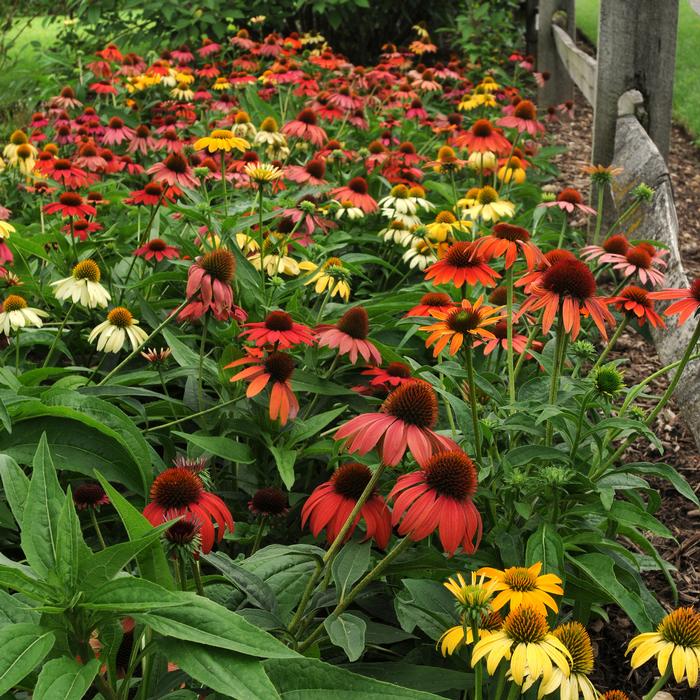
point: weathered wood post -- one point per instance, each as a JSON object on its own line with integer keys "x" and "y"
{"x": 636, "y": 50}
{"x": 559, "y": 87}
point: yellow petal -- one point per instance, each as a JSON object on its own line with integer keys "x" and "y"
{"x": 691, "y": 665}
{"x": 678, "y": 663}
{"x": 518, "y": 664}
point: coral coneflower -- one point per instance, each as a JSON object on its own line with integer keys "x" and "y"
{"x": 70, "y": 204}
{"x": 459, "y": 265}
{"x": 157, "y": 248}
{"x": 357, "y": 193}
{"x": 635, "y": 302}
{"x": 312, "y": 173}
{"x": 349, "y": 336}
{"x": 178, "y": 491}
{"x": 175, "y": 171}
{"x": 275, "y": 369}
{"x": 116, "y": 132}
{"x": 209, "y": 285}
{"x": 569, "y": 200}
{"x": 269, "y": 502}
{"x": 90, "y": 496}
{"x": 568, "y": 288}
{"x": 506, "y": 240}
{"x": 278, "y": 329}
{"x": 431, "y": 302}
{"x": 405, "y": 421}
{"x": 687, "y": 306}
{"x": 465, "y": 321}
{"x": 614, "y": 245}
{"x": 483, "y": 137}
{"x": 391, "y": 376}
{"x": 331, "y": 503}
{"x": 305, "y": 127}
{"x": 523, "y": 119}
{"x": 439, "y": 497}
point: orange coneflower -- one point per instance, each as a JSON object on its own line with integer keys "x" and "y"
{"x": 508, "y": 240}
{"x": 483, "y": 137}
{"x": 687, "y": 306}
{"x": 431, "y": 302}
{"x": 70, "y": 204}
{"x": 459, "y": 265}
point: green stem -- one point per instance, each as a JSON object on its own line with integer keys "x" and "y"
{"x": 206, "y": 411}
{"x": 306, "y": 596}
{"x": 19, "y": 330}
{"x": 361, "y": 585}
{"x": 259, "y": 535}
{"x": 182, "y": 572}
{"x": 530, "y": 338}
{"x": 579, "y": 424}
{"x": 599, "y": 213}
{"x": 96, "y": 526}
{"x": 500, "y": 681}
{"x": 472, "y": 401}
{"x": 202, "y": 347}
{"x": 556, "y": 370}
{"x": 223, "y": 183}
{"x": 509, "y": 332}
{"x": 560, "y": 241}
{"x": 611, "y": 343}
{"x": 197, "y": 576}
{"x": 660, "y": 683}
{"x": 514, "y": 692}
{"x": 135, "y": 352}
{"x": 262, "y": 243}
{"x": 479, "y": 666}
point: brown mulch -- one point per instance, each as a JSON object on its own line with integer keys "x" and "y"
{"x": 680, "y": 450}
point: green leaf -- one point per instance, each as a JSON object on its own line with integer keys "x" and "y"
{"x": 545, "y": 545}
{"x": 304, "y": 430}
{"x": 629, "y": 514}
{"x": 254, "y": 588}
{"x": 349, "y": 565}
{"x": 14, "y": 609}
{"x": 206, "y": 622}
{"x": 220, "y": 446}
{"x": 601, "y": 570}
{"x": 665, "y": 471}
{"x": 285, "y": 460}
{"x": 234, "y": 675}
{"x": 531, "y": 453}
{"x": 347, "y": 632}
{"x": 310, "y": 679}
{"x": 152, "y": 562}
{"x": 69, "y": 545}
{"x": 129, "y": 594}
{"x": 65, "y": 678}
{"x": 16, "y": 578}
{"x": 15, "y": 484}
{"x": 42, "y": 511}
{"x": 411, "y": 675}
{"x": 22, "y": 648}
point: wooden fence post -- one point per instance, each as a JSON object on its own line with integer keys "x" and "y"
{"x": 636, "y": 50}
{"x": 559, "y": 87}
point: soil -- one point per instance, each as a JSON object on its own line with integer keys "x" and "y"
{"x": 680, "y": 450}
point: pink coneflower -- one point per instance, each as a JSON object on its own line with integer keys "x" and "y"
{"x": 209, "y": 286}
{"x": 174, "y": 170}
{"x": 638, "y": 260}
{"x": 279, "y": 330}
{"x": 349, "y": 336}
{"x": 506, "y": 240}
{"x": 405, "y": 421}
{"x": 430, "y": 302}
{"x": 116, "y": 132}
{"x": 635, "y": 302}
{"x": 357, "y": 193}
{"x": 569, "y": 200}
{"x": 305, "y": 127}
{"x": 439, "y": 497}
{"x": 70, "y": 204}
{"x": 331, "y": 503}
{"x": 208, "y": 48}
{"x": 688, "y": 305}
{"x": 524, "y": 119}
{"x": 142, "y": 141}
{"x": 89, "y": 158}
{"x": 157, "y": 248}
{"x": 614, "y": 245}
{"x": 66, "y": 99}
{"x": 311, "y": 174}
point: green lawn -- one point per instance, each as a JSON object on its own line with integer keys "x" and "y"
{"x": 686, "y": 91}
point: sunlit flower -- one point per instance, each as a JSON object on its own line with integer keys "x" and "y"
{"x": 83, "y": 286}
{"x": 460, "y": 265}
{"x": 119, "y": 327}
{"x": 331, "y": 503}
{"x": 15, "y": 313}
{"x": 508, "y": 241}
{"x": 221, "y": 140}
{"x": 675, "y": 644}
{"x": 489, "y": 206}
{"x": 331, "y": 276}
{"x": 349, "y": 336}
{"x": 520, "y": 586}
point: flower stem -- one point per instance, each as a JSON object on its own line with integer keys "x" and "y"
{"x": 135, "y": 352}
{"x": 19, "y": 330}
{"x": 599, "y": 215}
{"x": 262, "y": 243}
{"x": 660, "y": 683}
{"x": 560, "y": 241}
{"x": 472, "y": 401}
{"x": 211, "y": 409}
{"x": 182, "y": 572}
{"x": 556, "y": 370}
{"x": 197, "y": 576}
{"x": 509, "y": 331}
{"x": 611, "y": 343}
{"x": 514, "y": 692}
{"x": 259, "y": 535}
{"x": 478, "y": 666}
{"x": 202, "y": 347}
{"x": 500, "y": 681}
{"x": 96, "y": 526}
{"x": 223, "y": 182}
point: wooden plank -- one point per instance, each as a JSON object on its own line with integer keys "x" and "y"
{"x": 559, "y": 87}
{"x": 581, "y": 67}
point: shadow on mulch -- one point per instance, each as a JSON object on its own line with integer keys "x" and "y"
{"x": 679, "y": 515}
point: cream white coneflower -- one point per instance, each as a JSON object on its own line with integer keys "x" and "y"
{"x": 119, "y": 327}
{"x": 16, "y": 314}
{"x": 83, "y": 286}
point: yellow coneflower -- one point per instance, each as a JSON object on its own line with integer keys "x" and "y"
{"x": 221, "y": 140}
{"x": 242, "y": 126}
{"x": 489, "y": 206}
{"x": 331, "y": 276}
{"x": 274, "y": 261}
{"x": 119, "y": 327}
{"x": 347, "y": 210}
{"x": 458, "y": 636}
{"x": 269, "y": 135}
{"x": 17, "y": 138}
{"x": 182, "y": 92}
{"x": 446, "y": 161}
{"x": 247, "y": 243}
{"x": 482, "y": 161}
{"x": 83, "y": 286}
{"x": 445, "y": 225}
{"x": 262, "y": 173}
{"x": 519, "y": 585}
{"x": 524, "y": 640}
{"x": 15, "y": 313}
{"x": 574, "y": 637}
{"x": 488, "y": 84}
{"x": 512, "y": 171}
{"x": 479, "y": 98}
{"x": 675, "y": 644}
{"x": 221, "y": 83}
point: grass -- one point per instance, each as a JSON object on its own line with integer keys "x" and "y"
{"x": 686, "y": 89}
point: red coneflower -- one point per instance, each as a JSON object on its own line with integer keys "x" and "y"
{"x": 81, "y": 228}
{"x": 405, "y": 421}
{"x": 530, "y": 278}
{"x": 391, "y": 376}
{"x": 349, "y": 336}
{"x": 90, "y": 495}
{"x": 174, "y": 170}
{"x": 157, "y": 248}
{"x": 569, "y": 200}
{"x": 568, "y": 287}
{"x": 524, "y": 119}
{"x": 636, "y": 303}
{"x": 269, "y": 502}
{"x": 483, "y": 137}
{"x": 276, "y": 367}
{"x": 179, "y": 491}
{"x": 639, "y": 260}
{"x": 331, "y": 503}
{"x": 687, "y": 306}
{"x": 459, "y": 265}
{"x": 152, "y": 194}
{"x": 312, "y": 173}
{"x": 431, "y": 302}
{"x": 508, "y": 240}
{"x": 614, "y": 245}
{"x": 209, "y": 279}
{"x": 116, "y": 132}
{"x": 63, "y": 171}
{"x": 356, "y": 192}
{"x": 278, "y": 329}
{"x": 305, "y": 127}
{"x": 439, "y": 497}
{"x": 70, "y": 204}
